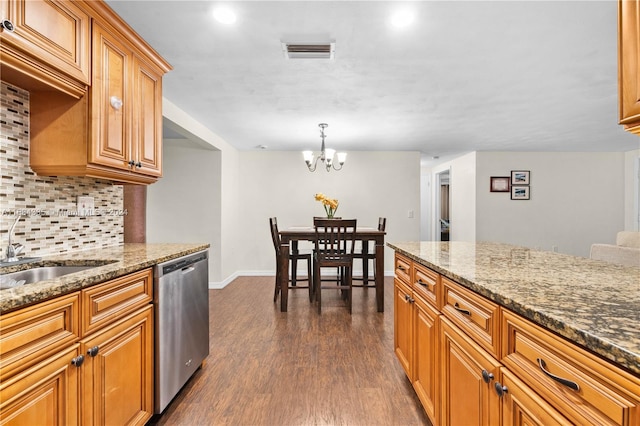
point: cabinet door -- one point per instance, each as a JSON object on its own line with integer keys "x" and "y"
{"x": 629, "y": 64}
{"x": 425, "y": 357}
{"x": 110, "y": 101}
{"x": 147, "y": 124}
{"x": 46, "y": 393}
{"x": 117, "y": 378}
{"x": 467, "y": 399}
{"x": 55, "y": 33}
{"x": 403, "y": 326}
{"x": 521, "y": 406}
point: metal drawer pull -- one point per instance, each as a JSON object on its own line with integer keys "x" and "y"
{"x": 422, "y": 282}
{"x": 500, "y": 389}
{"x": 486, "y": 376}
{"x": 459, "y": 309}
{"x": 115, "y": 102}
{"x": 568, "y": 383}
{"x": 402, "y": 268}
{"x": 77, "y": 361}
{"x": 7, "y": 25}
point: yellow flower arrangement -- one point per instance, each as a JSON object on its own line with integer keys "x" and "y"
{"x": 330, "y": 204}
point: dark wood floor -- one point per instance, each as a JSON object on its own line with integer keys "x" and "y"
{"x": 297, "y": 368}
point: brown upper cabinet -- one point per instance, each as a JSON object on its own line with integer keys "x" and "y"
{"x": 45, "y": 44}
{"x": 629, "y": 64}
{"x": 95, "y": 89}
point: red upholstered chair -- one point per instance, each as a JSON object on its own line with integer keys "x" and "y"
{"x": 366, "y": 254}
{"x": 333, "y": 248}
{"x": 294, "y": 258}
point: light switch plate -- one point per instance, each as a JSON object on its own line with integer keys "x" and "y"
{"x": 85, "y": 206}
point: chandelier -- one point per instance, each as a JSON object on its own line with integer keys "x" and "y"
{"x": 326, "y": 155}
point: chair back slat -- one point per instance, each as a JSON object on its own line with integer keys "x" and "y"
{"x": 334, "y": 239}
{"x": 275, "y": 235}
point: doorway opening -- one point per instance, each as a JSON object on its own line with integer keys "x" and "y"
{"x": 443, "y": 221}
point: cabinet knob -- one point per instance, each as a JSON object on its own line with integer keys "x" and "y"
{"x": 139, "y": 165}
{"x": 7, "y": 25}
{"x": 77, "y": 361}
{"x": 116, "y": 102}
{"x": 501, "y": 390}
{"x": 131, "y": 163}
{"x": 486, "y": 376}
{"x": 93, "y": 351}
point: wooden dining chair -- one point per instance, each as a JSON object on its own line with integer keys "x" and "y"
{"x": 333, "y": 248}
{"x": 294, "y": 258}
{"x": 366, "y": 254}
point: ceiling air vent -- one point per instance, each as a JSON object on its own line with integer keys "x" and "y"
{"x": 309, "y": 50}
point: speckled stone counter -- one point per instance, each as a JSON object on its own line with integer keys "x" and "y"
{"x": 112, "y": 262}
{"x": 592, "y": 303}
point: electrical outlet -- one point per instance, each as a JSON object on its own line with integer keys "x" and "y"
{"x": 85, "y": 206}
{"x": 410, "y": 214}
{"x": 554, "y": 249}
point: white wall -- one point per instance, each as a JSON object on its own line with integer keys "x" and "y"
{"x": 631, "y": 191}
{"x": 462, "y": 194}
{"x": 206, "y": 179}
{"x": 576, "y": 199}
{"x": 232, "y": 204}
{"x": 426, "y": 188}
{"x": 371, "y": 184}
{"x": 462, "y": 197}
{"x": 215, "y": 194}
{"x": 184, "y": 206}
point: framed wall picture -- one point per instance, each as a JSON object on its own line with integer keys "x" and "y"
{"x": 520, "y": 177}
{"x": 500, "y": 184}
{"x": 520, "y": 192}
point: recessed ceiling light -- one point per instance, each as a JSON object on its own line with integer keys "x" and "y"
{"x": 402, "y": 18}
{"x": 224, "y": 15}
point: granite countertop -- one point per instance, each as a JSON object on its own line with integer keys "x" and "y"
{"x": 111, "y": 262}
{"x": 592, "y": 303}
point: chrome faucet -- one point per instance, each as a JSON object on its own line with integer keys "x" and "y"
{"x": 13, "y": 249}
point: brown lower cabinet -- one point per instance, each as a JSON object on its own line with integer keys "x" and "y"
{"x": 522, "y": 406}
{"x": 472, "y": 362}
{"x": 102, "y": 378}
{"x": 47, "y": 393}
{"x": 467, "y": 380}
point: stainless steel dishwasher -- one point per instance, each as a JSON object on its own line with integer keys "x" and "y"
{"x": 181, "y": 299}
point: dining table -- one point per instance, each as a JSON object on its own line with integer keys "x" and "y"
{"x": 290, "y": 237}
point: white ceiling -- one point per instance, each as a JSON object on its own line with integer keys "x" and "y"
{"x": 497, "y": 75}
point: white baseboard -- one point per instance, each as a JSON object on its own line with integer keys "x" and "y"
{"x": 217, "y": 285}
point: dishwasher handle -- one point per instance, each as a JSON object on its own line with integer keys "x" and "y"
{"x": 180, "y": 263}
{"x": 187, "y": 269}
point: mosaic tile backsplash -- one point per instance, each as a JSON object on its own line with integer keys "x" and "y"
{"x": 50, "y": 223}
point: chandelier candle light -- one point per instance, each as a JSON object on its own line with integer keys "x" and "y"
{"x": 330, "y": 204}
{"x": 326, "y": 155}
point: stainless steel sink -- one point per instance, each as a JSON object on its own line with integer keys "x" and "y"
{"x": 33, "y": 275}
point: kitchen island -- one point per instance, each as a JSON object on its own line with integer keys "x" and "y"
{"x": 556, "y": 325}
{"x": 107, "y": 263}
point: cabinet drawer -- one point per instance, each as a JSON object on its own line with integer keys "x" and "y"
{"x": 105, "y": 303}
{"x": 426, "y": 283}
{"x": 474, "y": 314}
{"x": 594, "y": 391}
{"x": 31, "y": 334}
{"x": 403, "y": 269}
